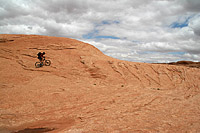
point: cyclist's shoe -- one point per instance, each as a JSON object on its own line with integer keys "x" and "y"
{"x": 41, "y": 64}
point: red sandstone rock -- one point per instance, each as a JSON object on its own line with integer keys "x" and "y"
{"x": 86, "y": 91}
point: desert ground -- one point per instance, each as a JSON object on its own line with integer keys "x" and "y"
{"x": 85, "y": 91}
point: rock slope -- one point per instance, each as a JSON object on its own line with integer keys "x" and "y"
{"x": 86, "y": 91}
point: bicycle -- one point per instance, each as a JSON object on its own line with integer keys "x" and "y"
{"x": 44, "y": 62}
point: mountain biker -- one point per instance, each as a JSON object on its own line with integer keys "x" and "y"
{"x": 41, "y": 57}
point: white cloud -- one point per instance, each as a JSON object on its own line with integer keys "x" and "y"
{"x": 195, "y": 24}
{"x": 135, "y": 30}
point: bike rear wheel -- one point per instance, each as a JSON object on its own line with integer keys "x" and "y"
{"x": 47, "y": 62}
{"x": 37, "y": 64}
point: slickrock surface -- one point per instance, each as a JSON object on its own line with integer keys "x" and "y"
{"x": 86, "y": 91}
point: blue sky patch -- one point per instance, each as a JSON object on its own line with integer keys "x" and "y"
{"x": 105, "y": 22}
{"x": 91, "y": 35}
{"x": 181, "y": 24}
{"x": 106, "y": 37}
{"x": 110, "y": 22}
{"x": 94, "y": 33}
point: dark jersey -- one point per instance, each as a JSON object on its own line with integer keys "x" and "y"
{"x": 40, "y": 55}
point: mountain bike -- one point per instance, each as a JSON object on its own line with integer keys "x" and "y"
{"x": 44, "y": 62}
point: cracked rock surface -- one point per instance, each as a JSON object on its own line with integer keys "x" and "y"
{"x": 84, "y": 90}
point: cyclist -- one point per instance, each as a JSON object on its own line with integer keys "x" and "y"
{"x": 41, "y": 57}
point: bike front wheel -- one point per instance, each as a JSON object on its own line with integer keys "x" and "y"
{"x": 47, "y": 62}
{"x": 37, "y": 64}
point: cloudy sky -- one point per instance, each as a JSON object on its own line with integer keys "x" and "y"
{"x": 133, "y": 30}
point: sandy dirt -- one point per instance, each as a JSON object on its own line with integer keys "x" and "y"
{"x": 84, "y": 90}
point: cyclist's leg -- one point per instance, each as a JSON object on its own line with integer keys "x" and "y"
{"x": 41, "y": 61}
